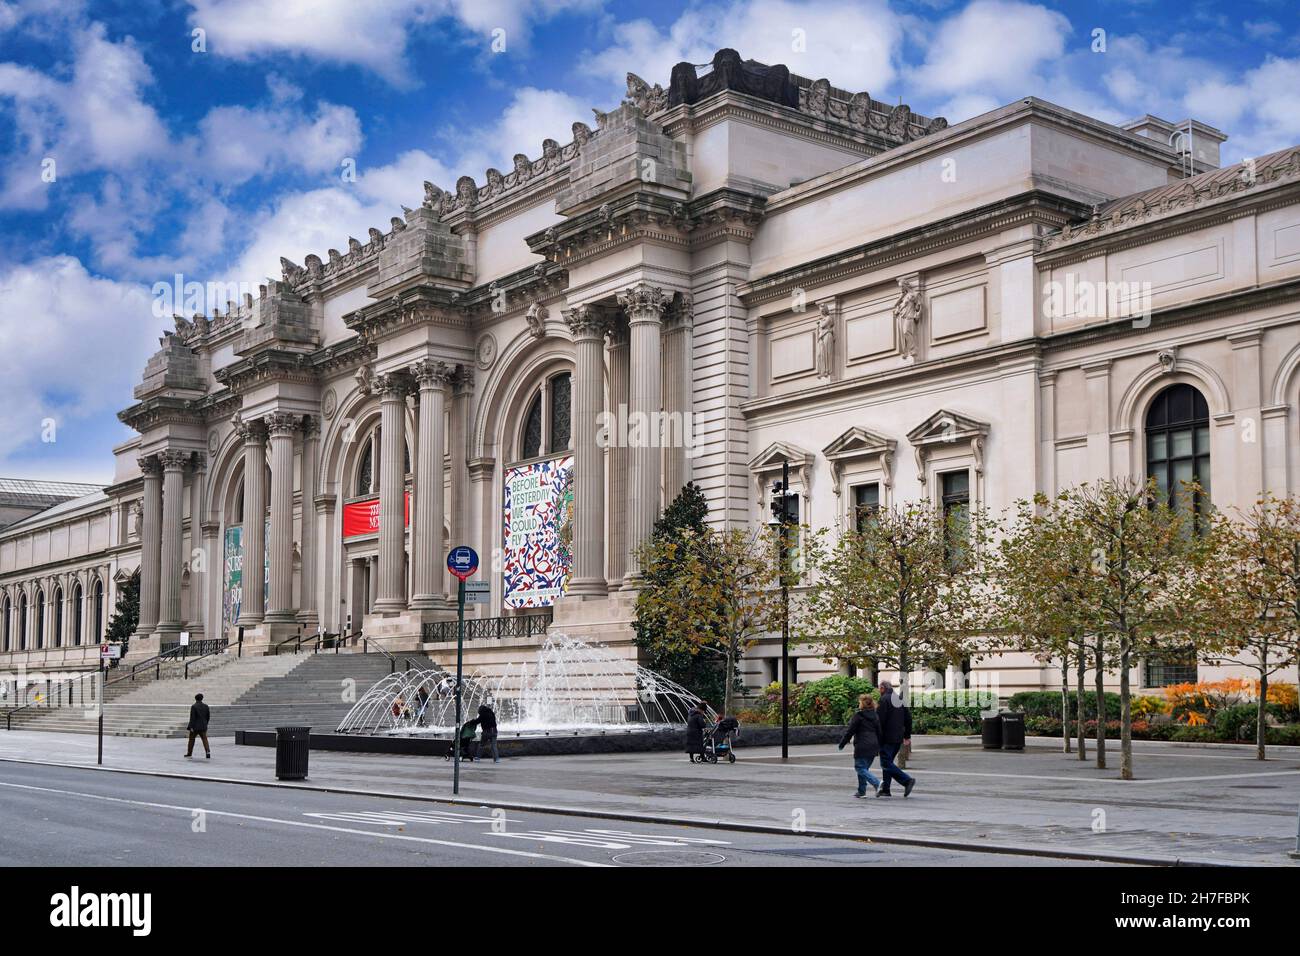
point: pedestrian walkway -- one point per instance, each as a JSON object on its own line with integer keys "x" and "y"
{"x": 1190, "y": 804}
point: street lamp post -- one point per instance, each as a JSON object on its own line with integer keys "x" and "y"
{"x": 782, "y": 513}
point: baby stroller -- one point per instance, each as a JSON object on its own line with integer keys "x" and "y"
{"x": 468, "y": 745}
{"x": 717, "y": 742}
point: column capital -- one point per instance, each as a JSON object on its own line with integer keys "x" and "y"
{"x": 282, "y": 424}
{"x": 433, "y": 373}
{"x": 310, "y": 427}
{"x": 392, "y": 386}
{"x": 643, "y": 302}
{"x": 253, "y": 432}
{"x": 462, "y": 383}
{"x": 680, "y": 313}
{"x": 150, "y": 467}
{"x": 587, "y": 321}
{"x": 173, "y": 459}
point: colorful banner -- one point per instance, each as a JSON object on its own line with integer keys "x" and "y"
{"x": 362, "y": 517}
{"x": 537, "y": 517}
{"x": 232, "y": 562}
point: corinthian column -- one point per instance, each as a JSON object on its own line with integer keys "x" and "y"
{"x": 391, "y": 597}
{"x": 617, "y": 452}
{"x": 678, "y": 380}
{"x": 588, "y": 324}
{"x": 644, "y": 305}
{"x": 310, "y": 475}
{"x": 279, "y": 605}
{"x": 433, "y": 377}
{"x": 150, "y": 545}
{"x": 173, "y": 514}
{"x": 253, "y": 598}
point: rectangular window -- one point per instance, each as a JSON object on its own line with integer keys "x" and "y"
{"x": 955, "y": 488}
{"x": 1172, "y": 668}
{"x": 866, "y": 502}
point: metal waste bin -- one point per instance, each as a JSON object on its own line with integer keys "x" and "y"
{"x": 1013, "y": 731}
{"x": 991, "y": 732}
{"x": 292, "y": 745}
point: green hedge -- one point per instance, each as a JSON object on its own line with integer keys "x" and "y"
{"x": 1047, "y": 703}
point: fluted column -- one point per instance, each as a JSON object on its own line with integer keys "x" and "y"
{"x": 678, "y": 387}
{"x": 644, "y": 305}
{"x": 391, "y": 595}
{"x": 433, "y": 378}
{"x": 588, "y": 324}
{"x": 200, "y": 574}
{"x": 279, "y": 606}
{"x": 150, "y": 545}
{"x": 253, "y": 600}
{"x": 173, "y": 545}
{"x": 616, "y": 455}
{"x": 307, "y": 612}
{"x": 462, "y": 392}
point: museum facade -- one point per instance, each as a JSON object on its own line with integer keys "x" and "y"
{"x": 744, "y": 270}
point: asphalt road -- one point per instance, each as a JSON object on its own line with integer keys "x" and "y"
{"x": 60, "y": 816}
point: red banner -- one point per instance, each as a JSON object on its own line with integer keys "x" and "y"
{"x": 362, "y": 517}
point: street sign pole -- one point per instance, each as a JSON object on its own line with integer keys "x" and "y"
{"x": 785, "y": 615}
{"x": 103, "y": 681}
{"x": 460, "y": 663}
{"x": 462, "y": 562}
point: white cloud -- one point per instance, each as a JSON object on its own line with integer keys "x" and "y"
{"x": 236, "y": 143}
{"x": 992, "y": 47}
{"x": 58, "y": 324}
{"x": 370, "y": 35}
{"x": 854, "y": 45}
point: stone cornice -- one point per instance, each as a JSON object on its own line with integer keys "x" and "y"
{"x": 1032, "y": 207}
{"x": 516, "y": 290}
{"x": 424, "y": 305}
{"x": 271, "y": 365}
{"x": 161, "y": 410}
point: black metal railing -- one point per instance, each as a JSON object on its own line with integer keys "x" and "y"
{"x": 194, "y": 649}
{"x": 488, "y": 628}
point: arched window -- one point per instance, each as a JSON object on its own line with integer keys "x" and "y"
{"x": 22, "y": 622}
{"x": 97, "y": 610}
{"x": 548, "y": 423}
{"x": 366, "y": 469}
{"x": 76, "y": 615}
{"x": 57, "y": 640}
{"x": 7, "y": 624}
{"x": 1178, "y": 442}
{"x": 39, "y": 642}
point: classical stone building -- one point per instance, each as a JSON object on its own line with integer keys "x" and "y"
{"x": 772, "y": 269}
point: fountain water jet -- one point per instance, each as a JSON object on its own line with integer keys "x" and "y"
{"x": 570, "y": 686}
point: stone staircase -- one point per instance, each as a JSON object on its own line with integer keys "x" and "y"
{"x": 249, "y": 693}
{"x": 312, "y": 694}
{"x": 160, "y": 707}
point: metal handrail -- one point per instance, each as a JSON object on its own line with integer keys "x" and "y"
{"x": 223, "y": 645}
{"x": 365, "y": 644}
{"x": 9, "y": 714}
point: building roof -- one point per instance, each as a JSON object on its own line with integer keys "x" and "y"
{"x": 29, "y": 491}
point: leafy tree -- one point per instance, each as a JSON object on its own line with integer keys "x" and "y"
{"x": 898, "y": 589}
{"x": 1145, "y": 547}
{"x": 701, "y": 673}
{"x": 721, "y": 597}
{"x": 1248, "y": 593}
{"x": 126, "y": 614}
{"x": 1041, "y": 566}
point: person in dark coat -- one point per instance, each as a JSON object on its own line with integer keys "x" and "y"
{"x": 198, "y": 726}
{"x": 468, "y": 745}
{"x": 696, "y": 723}
{"x": 864, "y": 731}
{"x": 895, "y": 733}
{"x": 487, "y": 725}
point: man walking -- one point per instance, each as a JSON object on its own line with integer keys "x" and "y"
{"x": 198, "y": 726}
{"x": 864, "y": 731}
{"x": 895, "y": 733}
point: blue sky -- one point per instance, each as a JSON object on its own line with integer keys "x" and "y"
{"x": 215, "y": 161}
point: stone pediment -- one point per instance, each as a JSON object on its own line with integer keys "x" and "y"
{"x": 858, "y": 443}
{"x": 777, "y": 454}
{"x": 945, "y": 427}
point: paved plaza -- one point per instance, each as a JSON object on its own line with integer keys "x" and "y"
{"x": 1190, "y": 804}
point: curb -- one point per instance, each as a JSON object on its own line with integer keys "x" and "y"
{"x": 1000, "y": 849}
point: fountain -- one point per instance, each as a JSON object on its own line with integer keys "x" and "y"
{"x": 571, "y": 687}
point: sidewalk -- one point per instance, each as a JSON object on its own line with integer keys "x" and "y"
{"x": 1190, "y": 804}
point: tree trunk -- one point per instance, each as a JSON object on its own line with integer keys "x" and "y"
{"x": 1065, "y": 703}
{"x": 1125, "y": 715}
{"x": 728, "y": 689}
{"x": 1082, "y": 665}
{"x": 904, "y": 666}
{"x": 1100, "y": 681}
{"x": 1259, "y": 716}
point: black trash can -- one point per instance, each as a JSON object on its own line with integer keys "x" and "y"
{"x": 292, "y": 744}
{"x": 1013, "y": 731}
{"x": 991, "y": 732}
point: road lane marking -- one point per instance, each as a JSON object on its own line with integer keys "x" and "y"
{"x": 1030, "y": 776}
{"x": 312, "y": 826}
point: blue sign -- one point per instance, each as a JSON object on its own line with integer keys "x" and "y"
{"x": 462, "y": 561}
